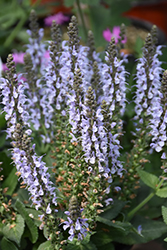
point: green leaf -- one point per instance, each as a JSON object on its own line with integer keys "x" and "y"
{"x": 6, "y": 244}
{"x": 151, "y": 229}
{"x": 45, "y": 246}
{"x": 165, "y": 239}
{"x": 69, "y": 3}
{"x": 89, "y": 246}
{"x": 138, "y": 46}
{"x": 164, "y": 213}
{"x": 149, "y": 179}
{"x": 117, "y": 8}
{"x": 6, "y": 163}
{"x": 102, "y": 238}
{"x": 2, "y": 139}
{"x": 92, "y": 2}
{"x": 35, "y": 214}
{"x": 124, "y": 226}
{"x": 109, "y": 246}
{"x": 30, "y": 223}
{"x": 98, "y": 13}
{"x": 112, "y": 211}
{"x": 11, "y": 182}
{"x": 15, "y": 232}
{"x": 162, "y": 192}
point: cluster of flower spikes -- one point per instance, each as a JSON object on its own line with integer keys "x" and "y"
{"x": 147, "y": 106}
{"x": 71, "y": 59}
{"x": 92, "y": 131}
{"x": 30, "y": 168}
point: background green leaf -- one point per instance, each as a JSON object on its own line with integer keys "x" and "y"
{"x": 69, "y": 3}
{"x": 112, "y": 211}
{"x": 11, "y": 182}
{"x": 164, "y": 214}
{"x": 6, "y": 244}
{"x": 92, "y": 2}
{"x": 151, "y": 229}
{"x": 88, "y": 246}
{"x": 45, "y": 246}
{"x": 30, "y": 223}
{"x": 162, "y": 192}
{"x": 149, "y": 179}
{"x": 16, "y": 232}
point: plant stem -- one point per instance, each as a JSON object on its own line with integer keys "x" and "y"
{"x": 149, "y": 197}
{"x": 82, "y": 18}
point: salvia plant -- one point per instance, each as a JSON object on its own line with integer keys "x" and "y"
{"x": 65, "y": 121}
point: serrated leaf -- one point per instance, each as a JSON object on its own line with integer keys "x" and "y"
{"x": 6, "y": 244}
{"x": 149, "y": 179}
{"x": 11, "y": 182}
{"x": 45, "y": 246}
{"x": 30, "y": 223}
{"x": 151, "y": 229}
{"x": 164, "y": 213}
{"x": 108, "y": 234}
{"x": 15, "y": 232}
{"x": 105, "y": 221}
{"x": 123, "y": 226}
{"x": 162, "y": 192}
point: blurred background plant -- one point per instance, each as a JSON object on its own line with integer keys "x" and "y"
{"x": 95, "y": 15}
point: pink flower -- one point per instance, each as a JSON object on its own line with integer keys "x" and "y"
{"x": 59, "y": 19}
{"x": 115, "y": 33}
{"x": 18, "y": 57}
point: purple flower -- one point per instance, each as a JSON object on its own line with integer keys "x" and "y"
{"x": 108, "y": 201}
{"x": 148, "y": 98}
{"x": 139, "y": 229}
{"x": 76, "y": 228}
{"x": 36, "y": 49}
{"x": 115, "y": 33}
{"x": 59, "y": 18}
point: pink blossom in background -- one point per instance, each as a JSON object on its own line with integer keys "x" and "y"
{"x": 59, "y": 19}
{"x": 18, "y": 57}
{"x": 115, "y": 33}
